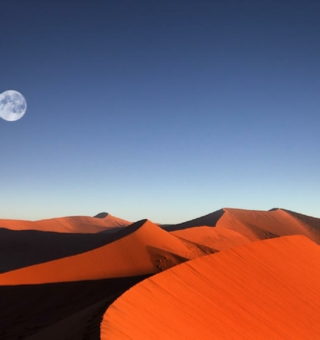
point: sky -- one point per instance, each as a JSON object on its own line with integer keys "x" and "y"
{"x": 166, "y": 110}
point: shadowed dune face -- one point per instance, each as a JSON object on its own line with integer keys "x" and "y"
{"x": 312, "y": 223}
{"x": 268, "y": 288}
{"x": 207, "y": 220}
{"x": 71, "y": 310}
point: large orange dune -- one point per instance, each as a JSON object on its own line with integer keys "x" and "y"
{"x": 263, "y": 290}
{"x": 142, "y": 248}
{"x": 59, "y": 276}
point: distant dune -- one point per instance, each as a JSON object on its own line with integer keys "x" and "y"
{"x": 231, "y": 274}
{"x": 259, "y": 225}
{"x": 72, "y": 224}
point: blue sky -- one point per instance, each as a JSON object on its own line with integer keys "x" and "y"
{"x": 166, "y": 110}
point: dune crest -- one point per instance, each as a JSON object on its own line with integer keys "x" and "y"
{"x": 206, "y": 220}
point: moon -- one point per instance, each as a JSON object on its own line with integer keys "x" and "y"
{"x": 13, "y": 105}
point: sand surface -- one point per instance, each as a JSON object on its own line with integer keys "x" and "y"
{"x": 263, "y": 290}
{"x": 231, "y": 274}
{"x": 215, "y": 238}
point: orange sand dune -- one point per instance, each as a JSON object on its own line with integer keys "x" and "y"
{"x": 263, "y": 290}
{"x": 214, "y": 238}
{"x": 72, "y": 224}
{"x": 234, "y": 227}
{"x": 143, "y": 248}
{"x": 259, "y": 225}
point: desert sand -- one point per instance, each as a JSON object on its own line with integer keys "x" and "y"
{"x": 232, "y": 274}
{"x": 263, "y": 290}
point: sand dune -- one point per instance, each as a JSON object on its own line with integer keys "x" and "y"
{"x": 72, "y": 224}
{"x": 228, "y": 227}
{"x": 142, "y": 248}
{"x": 58, "y": 277}
{"x": 263, "y": 290}
{"x": 255, "y": 224}
{"x": 259, "y": 225}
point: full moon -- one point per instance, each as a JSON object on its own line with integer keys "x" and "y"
{"x": 12, "y": 105}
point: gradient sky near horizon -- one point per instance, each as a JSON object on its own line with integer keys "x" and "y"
{"x": 166, "y": 110}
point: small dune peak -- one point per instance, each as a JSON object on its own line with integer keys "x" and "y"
{"x": 139, "y": 223}
{"x": 101, "y": 215}
{"x": 208, "y": 220}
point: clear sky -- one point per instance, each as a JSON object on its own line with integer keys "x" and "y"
{"x": 166, "y": 110}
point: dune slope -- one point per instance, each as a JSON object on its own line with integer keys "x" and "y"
{"x": 144, "y": 248}
{"x": 21, "y": 248}
{"x": 263, "y": 290}
{"x": 215, "y": 238}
